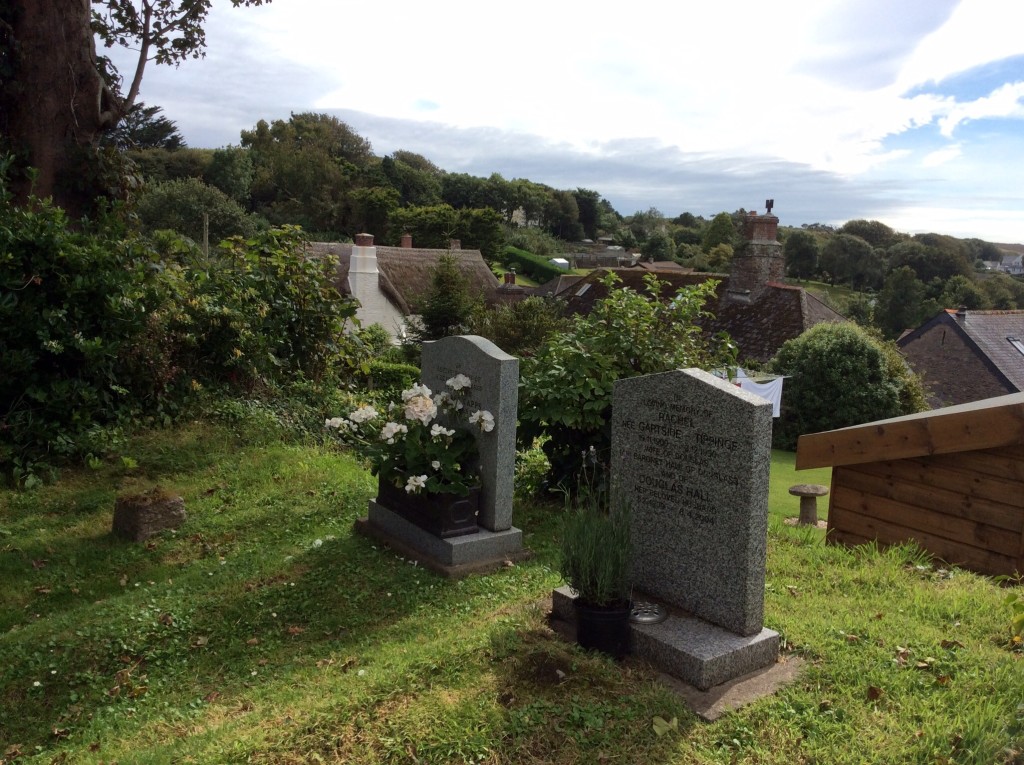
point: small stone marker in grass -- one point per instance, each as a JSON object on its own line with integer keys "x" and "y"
{"x": 139, "y": 516}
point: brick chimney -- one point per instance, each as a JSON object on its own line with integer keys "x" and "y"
{"x": 407, "y": 241}
{"x": 758, "y": 261}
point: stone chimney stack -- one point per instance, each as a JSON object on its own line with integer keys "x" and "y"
{"x": 407, "y": 241}
{"x": 758, "y": 261}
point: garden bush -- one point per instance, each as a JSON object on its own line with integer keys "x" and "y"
{"x": 840, "y": 375}
{"x": 391, "y": 376}
{"x": 179, "y": 205}
{"x": 566, "y": 389}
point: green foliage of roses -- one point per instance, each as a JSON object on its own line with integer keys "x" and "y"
{"x": 841, "y": 375}
{"x": 566, "y": 389}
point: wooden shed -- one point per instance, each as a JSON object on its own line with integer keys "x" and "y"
{"x": 951, "y": 479}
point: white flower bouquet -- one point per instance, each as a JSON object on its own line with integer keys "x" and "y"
{"x": 410, "y": 448}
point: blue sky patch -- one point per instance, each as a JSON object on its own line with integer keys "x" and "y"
{"x": 975, "y": 83}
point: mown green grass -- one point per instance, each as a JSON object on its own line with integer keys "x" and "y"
{"x": 265, "y": 631}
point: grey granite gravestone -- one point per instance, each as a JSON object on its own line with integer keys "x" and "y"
{"x": 494, "y": 388}
{"x": 691, "y": 455}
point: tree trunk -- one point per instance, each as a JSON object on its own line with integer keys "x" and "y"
{"x": 56, "y": 103}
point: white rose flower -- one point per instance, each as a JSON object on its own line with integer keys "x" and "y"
{"x": 459, "y": 382}
{"x": 416, "y": 391}
{"x": 335, "y": 422}
{"x": 393, "y": 430}
{"x": 415, "y": 483}
{"x": 420, "y": 408}
{"x": 436, "y": 465}
{"x": 439, "y": 430}
{"x": 363, "y": 414}
{"x": 483, "y": 419}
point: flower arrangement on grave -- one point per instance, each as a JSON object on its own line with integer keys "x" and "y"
{"x": 412, "y": 446}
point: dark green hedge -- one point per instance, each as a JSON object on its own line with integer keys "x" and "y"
{"x": 533, "y": 266}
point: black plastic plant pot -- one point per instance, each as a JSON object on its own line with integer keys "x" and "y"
{"x": 604, "y": 628}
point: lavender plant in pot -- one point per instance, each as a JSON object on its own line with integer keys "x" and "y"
{"x": 424, "y": 453}
{"x": 595, "y": 562}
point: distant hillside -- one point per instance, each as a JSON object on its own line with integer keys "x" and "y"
{"x": 1017, "y": 248}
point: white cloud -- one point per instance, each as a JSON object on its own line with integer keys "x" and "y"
{"x": 1002, "y": 102}
{"x": 942, "y": 156}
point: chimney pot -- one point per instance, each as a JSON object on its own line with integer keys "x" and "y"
{"x": 455, "y": 244}
{"x": 364, "y": 240}
{"x": 407, "y": 241}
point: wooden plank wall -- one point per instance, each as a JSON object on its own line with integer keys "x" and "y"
{"x": 966, "y": 508}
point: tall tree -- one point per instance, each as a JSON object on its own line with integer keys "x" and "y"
{"x": 721, "y": 230}
{"x": 801, "y": 253}
{"x": 55, "y": 100}
{"x": 144, "y": 127}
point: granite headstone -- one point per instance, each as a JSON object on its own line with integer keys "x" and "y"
{"x": 691, "y": 454}
{"x": 495, "y": 388}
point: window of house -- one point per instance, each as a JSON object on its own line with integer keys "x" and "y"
{"x": 1016, "y": 343}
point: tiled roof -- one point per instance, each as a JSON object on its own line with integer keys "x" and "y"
{"x": 405, "y": 272}
{"x": 990, "y": 330}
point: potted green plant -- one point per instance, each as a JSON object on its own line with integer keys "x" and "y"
{"x": 424, "y": 453}
{"x": 596, "y": 558}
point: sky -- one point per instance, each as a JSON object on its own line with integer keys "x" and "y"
{"x": 910, "y": 112}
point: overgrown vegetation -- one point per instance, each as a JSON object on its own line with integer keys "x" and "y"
{"x": 101, "y": 328}
{"x": 264, "y": 631}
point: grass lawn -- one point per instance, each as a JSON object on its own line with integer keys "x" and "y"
{"x": 264, "y": 631}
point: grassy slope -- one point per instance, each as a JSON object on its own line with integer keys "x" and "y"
{"x": 243, "y": 639}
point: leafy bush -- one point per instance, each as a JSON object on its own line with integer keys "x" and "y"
{"x": 69, "y": 302}
{"x": 179, "y": 205}
{"x": 534, "y": 266}
{"x": 520, "y": 328}
{"x": 260, "y": 310}
{"x": 566, "y": 389}
{"x": 100, "y": 328}
{"x": 841, "y": 375}
{"x": 535, "y": 240}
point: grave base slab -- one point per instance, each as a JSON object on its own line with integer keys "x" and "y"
{"x": 690, "y": 649}
{"x": 455, "y": 557}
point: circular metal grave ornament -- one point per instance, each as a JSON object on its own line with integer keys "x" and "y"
{"x": 647, "y": 613}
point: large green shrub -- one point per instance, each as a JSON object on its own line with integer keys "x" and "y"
{"x": 70, "y": 301}
{"x": 180, "y": 205}
{"x": 520, "y": 328}
{"x": 566, "y": 389}
{"x": 840, "y": 375}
